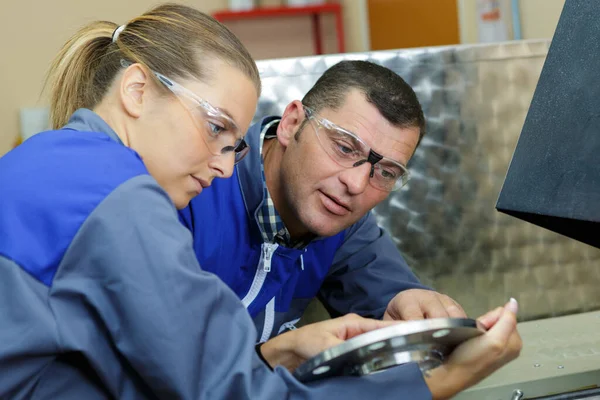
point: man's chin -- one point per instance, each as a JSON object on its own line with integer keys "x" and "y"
{"x": 326, "y": 227}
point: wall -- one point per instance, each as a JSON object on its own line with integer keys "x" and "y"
{"x": 356, "y": 25}
{"x": 445, "y": 223}
{"x": 538, "y": 18}
{"x": 428, "y": 25}
{"x": 30, "y": 42}
{"x": 33, "y": 31}
{"x": 294, "y": 34}
{"x": 33, "y": 35}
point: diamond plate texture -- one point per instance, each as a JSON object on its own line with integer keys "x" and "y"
{"x": 444, "y": 222}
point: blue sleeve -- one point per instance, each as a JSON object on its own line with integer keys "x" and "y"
{"x": 367, "y": 272}
{"x": 181, "y": 330}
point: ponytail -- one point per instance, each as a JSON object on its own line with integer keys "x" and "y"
{"x": 172, "y": 39}
{"x": 71, "y": 76}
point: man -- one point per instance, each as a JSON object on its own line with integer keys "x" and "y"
{"x": 295, "y": 221}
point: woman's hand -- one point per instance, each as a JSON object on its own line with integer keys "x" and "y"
{"x": 294, "y": 347}
{"x": 468, "y": 364}
{"x": 479, "y": 357}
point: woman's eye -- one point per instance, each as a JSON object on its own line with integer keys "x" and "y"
{"x": 215, "y": 129}
{"x": 344, "y": 149}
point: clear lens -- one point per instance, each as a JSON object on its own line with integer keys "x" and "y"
{"x": 241, "y": 150}
{"x": 389, "y": 177}
{"x": 348, "y": 150}
{"x": 220, "y": 132}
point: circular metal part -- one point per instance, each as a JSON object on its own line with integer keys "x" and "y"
{"x": 440, "y": 333}
{"x": 321, "y": 370}
{"x": 426, "y": 342}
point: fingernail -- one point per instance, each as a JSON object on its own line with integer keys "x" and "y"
{"x": 512, "y": 306}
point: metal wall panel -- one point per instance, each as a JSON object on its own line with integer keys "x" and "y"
{"x": 475, "y": 99}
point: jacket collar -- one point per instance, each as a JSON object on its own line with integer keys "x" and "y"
{"x": 249, "y": 171}
{"x": 85, "y": 120}
{"x": 250, "y": 176}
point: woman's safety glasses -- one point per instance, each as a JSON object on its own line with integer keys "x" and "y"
{"x": 220, "y": 132}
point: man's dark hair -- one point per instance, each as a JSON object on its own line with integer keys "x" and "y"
{"x": 386, "y": 90}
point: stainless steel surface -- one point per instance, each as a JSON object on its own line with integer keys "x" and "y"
{"x": 475, "y": 100}
{"x": 426, "y": 342}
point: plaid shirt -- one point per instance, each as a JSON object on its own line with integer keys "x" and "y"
{"x": 271, "y": 226}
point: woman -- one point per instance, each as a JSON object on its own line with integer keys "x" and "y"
{"x": 101, "y": 295}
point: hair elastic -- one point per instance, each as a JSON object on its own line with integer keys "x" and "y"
{"x": 117, "y": 32}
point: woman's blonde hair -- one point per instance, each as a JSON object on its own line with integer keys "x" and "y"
{"x": 170, "y": 39}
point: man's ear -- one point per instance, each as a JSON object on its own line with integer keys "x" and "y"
{"x": 290, "y": 122}
{"x": 134, "y": 88}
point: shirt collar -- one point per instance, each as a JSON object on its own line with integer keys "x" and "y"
{"x": 269, "y": 220}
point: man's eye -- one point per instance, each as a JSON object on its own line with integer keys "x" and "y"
{"x": 343, "y": 147}
{"x": 388, "y": 174}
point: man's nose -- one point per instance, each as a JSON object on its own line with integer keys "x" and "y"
{"x": 357, "y": 178}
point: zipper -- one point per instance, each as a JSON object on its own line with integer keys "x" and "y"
{"x": 267, "y": 250}
{"x": 269, "y": 321}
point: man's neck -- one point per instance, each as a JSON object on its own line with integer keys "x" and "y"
{"x": 272, "y": 153}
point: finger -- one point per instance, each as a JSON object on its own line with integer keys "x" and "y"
{"x": 515, "y": 344}
{"x": 355, "y": 326}
{"x": 408, "y": 312}
{"x": 512, "y": 306}
{"x": 328, "y": 342}
{"x": 405, "y": 307}
{"x": 506, "y": 325}
{"x": 434, "y": 308}
{"x": 453, "y": 309}
{"x": 387, "y": 316}
{"x": 490, "y": 318}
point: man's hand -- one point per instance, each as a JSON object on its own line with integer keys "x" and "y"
{"x": 422, "y": 304}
